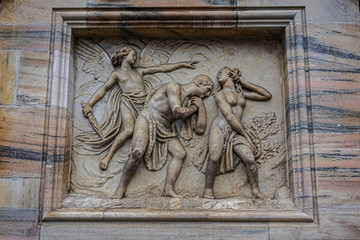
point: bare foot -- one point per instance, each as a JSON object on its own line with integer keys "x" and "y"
{"x": 119, "y": 193}
{"x": 258, "y": 194}
{"x": 104, "y": 163}
{"x": 169, "y": 192}
{"x": 208, "y": 194}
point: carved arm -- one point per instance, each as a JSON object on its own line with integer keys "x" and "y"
{"x": 173, "y": 92}
{"x": 167, "y": 67}
{"x": 100, "y": 93}
{"x": 226, "y": 110}
{"x": 200, "y": 125}
{"x": 258, "y": 93}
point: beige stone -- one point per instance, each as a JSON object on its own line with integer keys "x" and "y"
{"x": 9, "y": 62}
{"x": 7, "y": 11}
{"x": 323, "y": 116}
{"x": 20, "y": 141}
{"x": 316, "y": 10}
{"x": 21, "y": 192}
{"x": 33, "y": 76}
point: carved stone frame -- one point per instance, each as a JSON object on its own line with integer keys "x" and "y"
{"x": 288, "y": 23}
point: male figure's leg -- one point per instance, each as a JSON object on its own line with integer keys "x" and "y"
{"x": 139, "y": 144}
{"x": 178, "y": 153}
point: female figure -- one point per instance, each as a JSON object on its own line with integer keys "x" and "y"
{"x": 133, "y": 93}
{"x": 231, "y": 101}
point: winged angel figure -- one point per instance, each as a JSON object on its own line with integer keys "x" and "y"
{"x": 127, "y": 90}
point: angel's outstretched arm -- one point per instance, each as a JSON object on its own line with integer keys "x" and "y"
{"x": 167, "y": 67}
{"x": 100, "y": 93}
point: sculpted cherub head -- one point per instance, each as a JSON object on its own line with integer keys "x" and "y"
{"x": 204, "y": 85}
{"x": 124, "y": 54}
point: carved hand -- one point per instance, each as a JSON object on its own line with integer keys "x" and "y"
{"x": 250, "y": 141}
{"x": 87, "y": 109}
{"x": 190, "y": 64}
{"x": 236, "y": 75}
{"x": 197, "y": 102}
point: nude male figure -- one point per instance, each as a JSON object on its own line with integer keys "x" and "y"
{"x": 165, "y": 107}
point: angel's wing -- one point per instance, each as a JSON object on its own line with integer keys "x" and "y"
{"x": 158, "y": 51}
{"x": 97, "y": 60}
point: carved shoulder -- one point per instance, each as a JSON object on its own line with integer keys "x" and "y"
{"x": 219, "y": 97}
{"x": 173, "y": 88}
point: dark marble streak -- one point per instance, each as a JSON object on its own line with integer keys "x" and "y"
{"x": 338, "y": 156}
{"x": 318, "y": 47}
{"x": 95, "y": 5}
{"x": 334, "y": 46}
{"x": 221, "y": 2}
{"x": 334, "y": 92}
{"x": 335, "y": 70}
{"x": 30, "y": 155}
{"x": 19, "y": 223}
{"x": 25, "y": 37}
{"x": 18, "y": 214}
{"x": 19, "y": 153}
{"x": 128, "y": 4}
{"x": 336, "y": 113}
{"x": 338, "y": 170}
{"x": 330, "y": 172}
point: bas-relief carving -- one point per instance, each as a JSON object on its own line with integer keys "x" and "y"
{"x": 139, "y": 95}
{"x": 227, "y": 136}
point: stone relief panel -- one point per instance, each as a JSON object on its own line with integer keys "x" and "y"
{"x": 201, "y": 121}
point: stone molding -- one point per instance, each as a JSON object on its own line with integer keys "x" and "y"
{"x": 287, "y": 24}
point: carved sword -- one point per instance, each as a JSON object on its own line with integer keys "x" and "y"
{"x": 93, "y": 122}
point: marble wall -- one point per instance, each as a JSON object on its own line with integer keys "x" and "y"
{"x": 333, "y": 36}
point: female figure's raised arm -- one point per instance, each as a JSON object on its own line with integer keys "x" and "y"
{"x": 257, "y": 93}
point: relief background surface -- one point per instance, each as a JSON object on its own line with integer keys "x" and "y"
{"x": 260, "y": 63}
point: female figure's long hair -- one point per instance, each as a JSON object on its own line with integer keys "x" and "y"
{"x": 235, "y": 75}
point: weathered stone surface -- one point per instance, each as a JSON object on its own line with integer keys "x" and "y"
{"x": 7, "y": 11}
{"x": 332, "y": 95}
{"x": 316, "y": 10}
{"x": 33, "y": 37}
{"x": 142, "y": 230}
{"x": 333, "y": 46}
{"x": 33, "y": 76}
{"x": 87, "y": 177}
{"x": 9, "y": 62}
{"x": 337, "y": 223}
{"x": 21, "y": 192}
{"x": 337, "y": 169}
{"x": 19, "y": 224}
{"x": 21, "y": 141}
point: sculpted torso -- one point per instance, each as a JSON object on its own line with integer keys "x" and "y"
{"x": 129, "y": 80}
{"x": 160, "y": 106}
{"x": 234, "y": 100}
